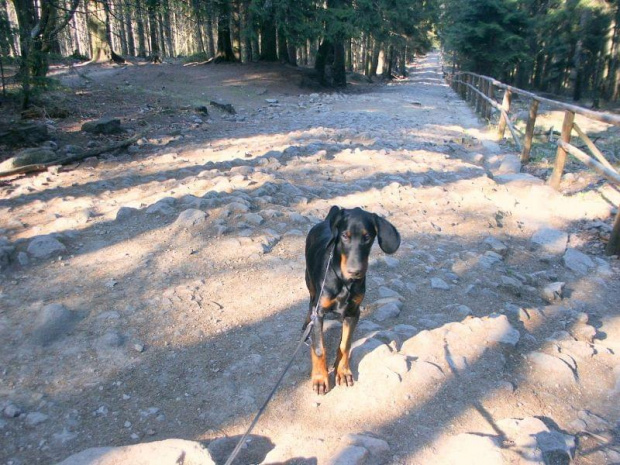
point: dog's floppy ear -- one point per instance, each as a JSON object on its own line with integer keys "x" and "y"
{"x": 387, "y": 235}
{"x": 333, "y": 219}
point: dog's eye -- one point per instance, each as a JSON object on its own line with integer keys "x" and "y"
{"x": 366, "y": 237}
{"x": 346, "y": 236}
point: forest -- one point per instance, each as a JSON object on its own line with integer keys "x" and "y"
{"x": 561, "y": 47}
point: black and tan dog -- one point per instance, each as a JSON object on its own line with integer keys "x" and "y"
{"x": 351, "y": 233}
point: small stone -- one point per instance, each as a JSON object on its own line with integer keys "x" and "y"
{"x": 53, "y": 321}
{"x": 391, "y": 262}
{"x": 45, "y": 246}
{"x": 12, "y": 411}
{"x": 271, "y": 100}
{"x": 496, "y": 245}
{"x": 138, "y": 347}
{"x": 375, "y": 446}
{"x": 350, "y": 455}
{"x": 127, "y": 424}
{"x": 552, "y": 292}
{"x": 253, "y": 218}
{"x": 550, "y": 241}
{"x": 35, "y": 418}
{"x": 191, "y": 218}
{"x": 22, "y": 258}
{"x": 583, "y": 332}
{"x": 386, "y": 292}
{"x": 438, "y": 283}
{"x": 125, "y": 212}
{"x": 386, "y": 311}
{"x": 577, "y": 261}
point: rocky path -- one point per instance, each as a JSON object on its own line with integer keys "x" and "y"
{"x": 158, "y": 295}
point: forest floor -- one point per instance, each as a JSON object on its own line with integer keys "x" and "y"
{"x": 158, "y": 292}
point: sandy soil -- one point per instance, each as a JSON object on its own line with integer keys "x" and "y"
{"x": 179, "y": 329}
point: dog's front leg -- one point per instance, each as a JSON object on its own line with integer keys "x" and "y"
{"x": 320, "y": 376}
{"x": 344, "y": 375}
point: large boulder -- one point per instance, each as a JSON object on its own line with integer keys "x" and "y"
{"x": 167, "y": 452}
{"x": 23, "y": 133}
{"x": 103, "y": 126}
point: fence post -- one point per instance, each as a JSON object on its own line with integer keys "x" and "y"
{"x": 479, "y": 84}
{"x": 560, "y": 156}
{"x": 470, "y": 81}
{"x": 613, "y": 246}
{"x": 491, "y": 94}
{"x": 529, "y": 131}
{"x": 501, "y": 129}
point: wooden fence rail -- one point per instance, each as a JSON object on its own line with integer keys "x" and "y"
{"x": 479, "y": 91}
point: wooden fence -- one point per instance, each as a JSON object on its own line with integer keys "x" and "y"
{"x": 479, "y": 91}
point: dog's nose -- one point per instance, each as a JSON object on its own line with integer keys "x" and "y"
{"x": 355, "y": 274}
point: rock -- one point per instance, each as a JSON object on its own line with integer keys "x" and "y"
{"x": 53, "y": 322}
{"x": 438, "y": 283}
{"x": 125, "y": 212}
{"x": 511, "y": 284}
{"x": 23, "y": 133}
{"x": 496, "y": 245}
{"x": 467, "y": 449}
{"x": 45, "y": 246}
{"x": 550, "y": 370}
{"x": 552, "y": 292}
{"x": 373, "y": 445}
{"x": 488, "y": 259}
{"x": 35, "y": 418}
{"x": 350, "y": 455}
{"x": 517, "y": 179}
{"x": 5, "y": 256}
{"x": 167, "y": 452}
{"x": 31, "y": 156}
{"x": 386, "y": 311}
{"x": 11, "y": 411}
{"x": 191, "y": 218}
{"x": 550, "y": 241}
{"x": 22, "y": 258}
{"x": 498, "y": 329}
{"x": 253, "y": 218}
{"x": 534, "y": 442}
{"x": 391, "y": 262}
{"x": 583, "y": 332}
{"x": 103, "y": 126}
{"x": 577, "y": 261}
{"x": 110, "y": 340}
{"x": 511, "y": 164}
{"x": 386, "y": 292}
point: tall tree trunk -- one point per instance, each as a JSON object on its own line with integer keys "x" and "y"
{"x": 576, "y": 73}
{"x": 210, "y": 33}
{"x": 167, "y": 23}
{"x": 120, "y": 16}
{"x": 199, "y": 22}
{"x": 224, "y": 42}
{"x": 268, "y": 43}
{"x": 374, "y": 60}
{"x": 235, "y": 23}
{"x": 612, "y": 82}
{"x": 26, "y": 18}
{"x": 131, "y": 44}
{"x": 282, "y": 46}
{"x": 152, "y": 6}
{"x": 140, "y": 29}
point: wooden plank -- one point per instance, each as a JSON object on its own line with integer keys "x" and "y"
{"x": 587, "y": 160}
{"x": 560, "y": 156}
{"x": 595, "y": 151}
{"x": 529, "y": 132}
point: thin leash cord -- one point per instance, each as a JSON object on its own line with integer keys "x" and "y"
{"x": 304, "y": 337}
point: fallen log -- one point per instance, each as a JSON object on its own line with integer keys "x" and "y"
{"x": 75, "y": 157}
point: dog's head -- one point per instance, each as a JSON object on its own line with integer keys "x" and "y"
{"x": 354, "y": 231}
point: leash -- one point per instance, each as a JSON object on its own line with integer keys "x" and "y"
{"x": 304, "y": 337}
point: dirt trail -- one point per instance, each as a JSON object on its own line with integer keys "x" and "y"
{"x": 175, "y": 276}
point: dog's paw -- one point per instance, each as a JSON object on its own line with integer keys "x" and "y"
{"x": 344, "y": 376}
{"x": 320, "y": 383}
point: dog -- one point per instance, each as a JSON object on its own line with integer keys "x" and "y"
{"x": 351, "y": 234}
